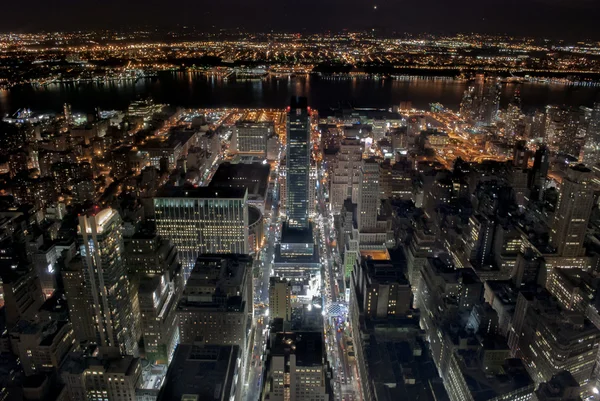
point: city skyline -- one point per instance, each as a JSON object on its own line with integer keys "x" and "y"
{"x": 529, "y": 17}
{"x": 342, "y": 216}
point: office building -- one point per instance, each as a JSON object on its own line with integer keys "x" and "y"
{"x": 298, "y": 163}
{"x": 216, "y": 306}
{"x": 41, "y": 347}
{"x": 164, "y": 152}
{"x": 202, "y": 220}
{"x": 368, "y": 196}
{"x": 574, "y": 289}
{"x": 102, "y": 375}
{"x": 539, "y": 172}
{"x": 297, "y": 369}
{"x": 575, "y": 202}
{"x": 481, "y": 102}
{"x": 280, "y": 299}
{"x": 480, "y": 239}
{"x": 296, "y": 256}
{"x": 158, "y": 297}
{"x": 345, "y": 173}
{"x": 253, "y": 177}
{"x": 561, "y": 387}
{"x": 21, "y": 294}
{"x": 393, "y": 362}
{"x": 81, "y": 312}
{"x": 107, "y": 286}
{"x": 382, "y": 288}
{"x": 251, "y": 137}
{"x": 418, "y": 250}
{"x": 148, "y": 253}
{"x": 204, "y": 372}
{"x": 550, "y": 340}
{"x": 591, "y": 149}
{"x": 521, "y": 155}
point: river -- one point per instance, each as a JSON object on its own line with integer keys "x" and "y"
{"x": 197, "y": 90}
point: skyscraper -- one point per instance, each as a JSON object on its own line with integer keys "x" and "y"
{"x": 345, "y": 172}
{"x": 573, "y": 210}
{"x": 81, "y": 313}
{"x": 297, "y": 368}
{"x": 591, "y": 150}
{"x": 203, "y": 220}
{"x": 106, "y": 280}
{"x": 368, "y": 195}
{"x": 539, "y": 172}
{"x": 481, "y": 102}
{"x": 216, "y": 306}
{"x": 251, "y": 136}
{"x": 280, "y": 303}
{"x": 298, "y": 163}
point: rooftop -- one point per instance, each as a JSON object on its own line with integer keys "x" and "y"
{"x": 307, "y": 346}
{"x": 79, "y": 362}
{"x": 254, "y": 177}
{"x": 201, "y": 192}
{"x": 206, "y": 371}
{"x": 484, "y": 387}
{"x": 378, "y": 255}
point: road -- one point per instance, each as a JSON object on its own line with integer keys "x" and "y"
{"x": 253, "y": 384}
{"x": 337, "y": 330}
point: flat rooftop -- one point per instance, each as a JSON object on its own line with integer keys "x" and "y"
{"x": 254, "y": 177}
{"x": 307, "y": 346}
{"x": 205, "y": 372}
{"x": 378, "y": 255}
{"x": 201, "y": 192}
{"x": 292, "y": 236}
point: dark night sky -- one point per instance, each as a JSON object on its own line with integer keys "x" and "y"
{"x": 570, "y": 19}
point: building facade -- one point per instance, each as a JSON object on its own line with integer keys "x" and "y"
{"x": 107, "y": 286}
{"x": 203, "y": 220}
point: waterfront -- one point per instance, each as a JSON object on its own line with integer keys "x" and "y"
{"x": 198, "y": 90}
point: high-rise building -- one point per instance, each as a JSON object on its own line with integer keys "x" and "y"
{"x": 539, "y": 172}
{"x": 148, "y": 253}
{"x": 41, "y": 347}
{"x": 520, "y": 155}
{"x": 107, "y": 286}
{"x": 368, "y": 196}
{"x": 591, "y": 150}
{"x": 204, "y": 372}
{"x": 574, "y": 289}
{"x": 298, "y": 163}
{"x": 251, "y": 176}
{"x": 105, "y": 375}
{"x": 21, "y": 294}
{"x": 68, "y": 113}
{"x": 480, "y": 240}
{"x": 203, "y": 220}
{"x": 549, "y": 340}
{"x": 481, "y": 102}
{"x": 418, "y": 250}
{"x": 280, "y": 299}
{"x": 538, "y": 125}
{"x": 575, "y": 202}
{"x": 81, "y": 312}
{"x": 297, "y": 369}
{"x": 158, "y": 297}
{"x": 251, "y": 137}
{"x": 217, "y": 303}
{"x": 562, "y": 387}
{"x": 344, "y": 177}
{"x": 382, "y": 288}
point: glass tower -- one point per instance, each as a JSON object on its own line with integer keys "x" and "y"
{"x": 298, "y": 163}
